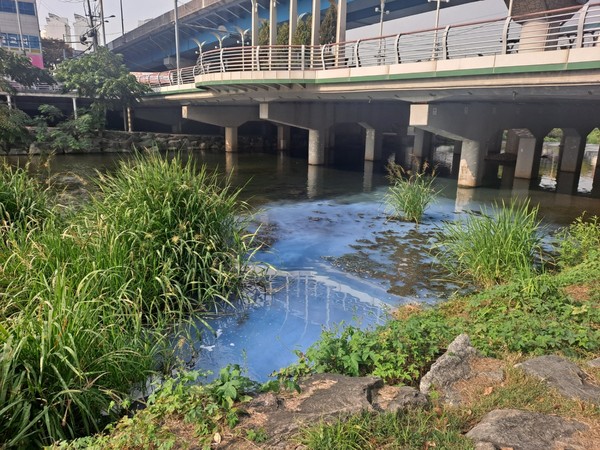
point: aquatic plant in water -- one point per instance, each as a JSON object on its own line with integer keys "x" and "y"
{"x": 410, "y": 193}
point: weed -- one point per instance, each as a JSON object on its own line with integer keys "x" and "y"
{"x": 494, "y": 247}
{"x": 410, "y": 193}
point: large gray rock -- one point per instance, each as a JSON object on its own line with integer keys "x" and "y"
{"x": 459, "y": 365}
{"x": 595, "y": 363}
{"x": 323, "y": 397}
{"x": 522, "y": 430}
{"x": 563, "y": 375}
{"x": 402, "y": 398}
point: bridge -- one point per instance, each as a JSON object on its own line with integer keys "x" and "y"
{"x": 472, "y": 83}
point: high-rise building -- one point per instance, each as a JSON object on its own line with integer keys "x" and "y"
{"x": 20, "y": 29}
{"x": 56, "y": 28}
{"x": 80, "y": 27}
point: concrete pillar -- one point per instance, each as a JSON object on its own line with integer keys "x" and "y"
{"x": 316, "y": 147}
{"x": 283, "y": 138}
{"x": 456, "y": 158}
{"x": 231, "y": 139}
{"x": 368, "y": 176}
{"x": 570, "y": 160}
{"x": 471, "y": 164}
{"x": 293, "y": 20}
{"x": 75, "y": 115}
{"x": 373, "y": 144}
{"x": 313, "y": 181}
{"x": 9, "y": 101}
{"x": 255, "y": 24}
{"x": 533, "y": 36}
{"x": 129, "y": 119}
{"x": 340, "y": 29}
{"x": 596, "y": 181}
{"x": 272, "y": 22}
{"x": 522, "y": 144}
{"x": 421, "y": 149}
{"x": 315, "y": 28}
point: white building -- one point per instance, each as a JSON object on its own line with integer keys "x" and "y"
{"x": 56, "y": 28}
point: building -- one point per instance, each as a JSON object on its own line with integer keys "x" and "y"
{"x": 80, "y": 27}
{"x": 20, "y": 29}
{"x": 56, "y": 28}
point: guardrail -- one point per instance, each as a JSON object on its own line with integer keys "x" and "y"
{"x": 558, "y": 29}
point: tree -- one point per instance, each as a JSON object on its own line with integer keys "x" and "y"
{"x": 20, "y": 70}
{"x": 102, "y": 77}
{"x": 302, "y": 34}
{"x": 328, "y": 29}
{"x": 56, "y": 51}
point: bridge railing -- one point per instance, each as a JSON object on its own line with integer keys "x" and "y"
{"x": 559, "y": 29}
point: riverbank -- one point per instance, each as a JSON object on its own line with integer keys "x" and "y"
{"x": 549, "y": 314}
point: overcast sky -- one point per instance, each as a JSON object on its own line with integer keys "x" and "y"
{"x": 136, "y": 10}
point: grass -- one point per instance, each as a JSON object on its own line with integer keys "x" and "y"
{"x": 90, "y": 301}
{"x": 410, "y": 193}
{"x": 495, "y": 247}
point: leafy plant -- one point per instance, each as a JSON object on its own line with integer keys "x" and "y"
{"x": 580, "y": 242}
{"x": 494, "y": 247}
{"x": 410, "y": 193}
{"x": 13, "y": 131}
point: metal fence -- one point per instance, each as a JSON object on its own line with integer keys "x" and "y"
{"x": 551, "y": 30}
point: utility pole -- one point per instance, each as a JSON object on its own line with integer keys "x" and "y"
{"x": 103, "y": 23}
{"x": 122, "y": 19}
{"x": 93, "y": 31}
{"x": 178, "y": 62}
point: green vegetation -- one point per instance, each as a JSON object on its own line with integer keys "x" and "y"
{"x": 18, "y": 68}
{"x": 497, "y": 246}
{"x": 89, "y": 299}
{"x": 103, "y": 77}
{"x": 206, "y": 410}
{"x": 410, "y": 193}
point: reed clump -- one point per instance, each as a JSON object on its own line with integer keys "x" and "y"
{"x": 89, "y": 301}
{"x": 496, "y": 246}
{"x": 410, "y": 192}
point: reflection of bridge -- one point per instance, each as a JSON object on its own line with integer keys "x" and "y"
{"x": 469, "y": 83}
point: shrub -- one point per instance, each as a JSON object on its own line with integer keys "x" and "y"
{"x": 493, "y": 247}
{"x": 579, "y": 242}
{"x": 410, "y": 193}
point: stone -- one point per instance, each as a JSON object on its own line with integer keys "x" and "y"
{"x": 323, "y": 397}
{"x": 563, "y": 375}
{"x": 394, "y": 399}
{"x": 458, "y": 365}
{"x": 595, "y": 363}
{"x": 511, "y": 428}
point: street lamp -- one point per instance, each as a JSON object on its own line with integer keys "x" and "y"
{"x": 382, "y": 12}
{"x": 437, "y": 24}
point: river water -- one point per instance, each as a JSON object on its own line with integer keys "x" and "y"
{"x": 337, "y": 257}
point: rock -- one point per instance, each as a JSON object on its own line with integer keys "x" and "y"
{"x": 595, "y": 363}
{"x": 563, "y": 375}
{"x": 460, "y": 373}
{"x": 323, "y": 397}
{"x": 394, "y": 399}
{"x": 511, "y": 428}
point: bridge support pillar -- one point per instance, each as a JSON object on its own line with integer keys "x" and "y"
{"x": 231, "y": 139}
{"x": 421, "y": 149}
{"x": 316, "y": 147}
{"x": 570, "y": 160}
{"x": 373, "y": 142}
{"x": 472, "y": 164}
{"x": 456, "y": 158}
{"x": 521, "y": 143}
{"x": 283, "y": 138}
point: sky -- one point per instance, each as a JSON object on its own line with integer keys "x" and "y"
{"x": 133, "y": 11}
{"x": 137, "y": 10}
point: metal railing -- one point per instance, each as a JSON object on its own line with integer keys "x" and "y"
{"x": 559, "y": 29}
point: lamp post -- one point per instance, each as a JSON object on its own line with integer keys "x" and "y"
{"x": 177, "y": 61}
{"x": 437, "y": 24}
{"x": 122, "y": 19}
{"x": 382, "y": 12}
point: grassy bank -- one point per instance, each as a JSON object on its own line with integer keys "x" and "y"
{"x": 534, "y": 311}
{"x": 90, "y": 300}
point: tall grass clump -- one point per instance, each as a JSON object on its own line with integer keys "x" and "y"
{"x": 410, "y": 193}
{"x": 175, "y": 229}
{"x": 492, "y": 248}
{"x": 22, "y": 198}
{"x": 579, "y": 242}
{"x": 88, "y": 301}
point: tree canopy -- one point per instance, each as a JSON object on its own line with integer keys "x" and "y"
{"x": 55, "y": 51}
{"x": 101, "y": 76}
{"x": 19, "y": 69}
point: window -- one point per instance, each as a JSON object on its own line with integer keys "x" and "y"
{"x": 26, "y": 8}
